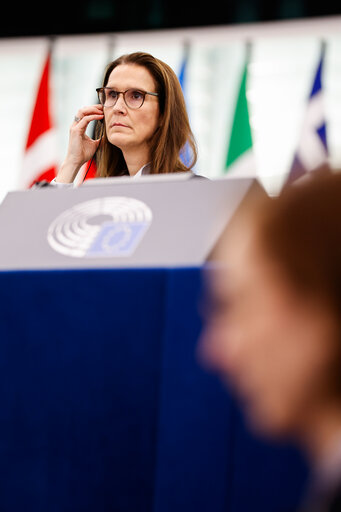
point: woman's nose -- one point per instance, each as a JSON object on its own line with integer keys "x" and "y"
{"x": 210, "y": 348}
{"x": 120, "y": 105}
{"x": 221, "y": 348}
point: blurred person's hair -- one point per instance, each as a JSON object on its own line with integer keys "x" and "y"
{"x": 172, "y": 137}
{"x": 301, "y": 231}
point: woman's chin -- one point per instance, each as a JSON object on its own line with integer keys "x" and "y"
{"x": 121, "y": 140}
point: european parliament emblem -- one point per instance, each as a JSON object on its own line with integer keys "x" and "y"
{"x": 100, "y": 228}
{"x": 117, "y": 239}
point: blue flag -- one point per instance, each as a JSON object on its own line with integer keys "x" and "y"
{"x": 182, "y": 76}
{"x": 312, "y": 151}
{"x": 182, "y": 72}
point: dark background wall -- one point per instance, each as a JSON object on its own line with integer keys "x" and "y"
{"x": 90, "y": 16}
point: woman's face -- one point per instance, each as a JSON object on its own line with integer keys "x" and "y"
{"x": 127, "y": 128}
{"x": 275, "y": 347}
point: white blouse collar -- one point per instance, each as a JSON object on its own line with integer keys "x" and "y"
{"x": 145, "y": 169}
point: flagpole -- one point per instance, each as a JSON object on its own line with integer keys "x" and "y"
{"x": 248, "y": 51}
{"x": 323, "y": 47}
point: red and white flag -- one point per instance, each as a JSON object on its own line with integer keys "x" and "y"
{"x": 40, "y": 159}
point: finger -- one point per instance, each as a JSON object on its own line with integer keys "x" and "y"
{"x": 92, "y": 109}
{"x": 78, "y": 117}
{"x": 83, "y": 122}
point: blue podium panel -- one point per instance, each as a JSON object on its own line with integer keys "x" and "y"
{"x": 195, "y": 423}
{"x": 104, "y": 406}
{"x": 80, "y": 370}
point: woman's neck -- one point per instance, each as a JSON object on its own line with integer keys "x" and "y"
{"x": 135, "y": 159}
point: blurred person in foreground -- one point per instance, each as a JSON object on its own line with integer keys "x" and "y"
{"x": 273, "y": 327}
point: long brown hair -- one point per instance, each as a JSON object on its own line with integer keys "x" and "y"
{"x": 172, "y": 137}
{"x": 301, "y": 231}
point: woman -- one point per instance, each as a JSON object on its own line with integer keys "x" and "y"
{"x": 142, "y": 123}
{"x": 274, "y": 328}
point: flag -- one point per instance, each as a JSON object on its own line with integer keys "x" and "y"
{"x": 183, "y": 69}
{"x": 312, "y": 151}
{"x": 40, "y": 158}
{"x": 182, "y": 77}
{"x": 240, "y": 157}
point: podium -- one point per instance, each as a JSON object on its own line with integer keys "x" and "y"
{"x": 161, "y": 221}
{"x": 104, "y": 404}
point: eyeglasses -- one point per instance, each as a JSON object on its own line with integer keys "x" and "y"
{"x": 133, "y": 98}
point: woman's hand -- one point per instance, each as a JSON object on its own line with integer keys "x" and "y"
{"x": 81, "y": 147}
